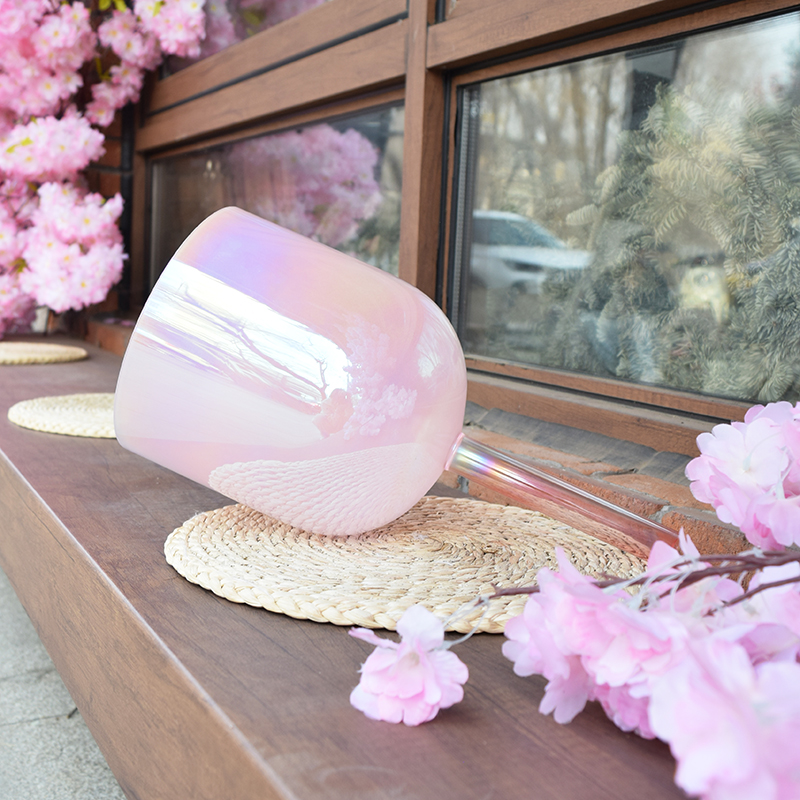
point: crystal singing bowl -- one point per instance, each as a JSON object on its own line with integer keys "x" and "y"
{"x": 309, "y": 386}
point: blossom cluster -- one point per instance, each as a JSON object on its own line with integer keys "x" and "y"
{"x": 50, "y": 148}
{"x": 43, "y": 45}
{"x": 59, "y": 244}
{"x": 141, "y": 39}
{"x": 750, "y": 473}
{"x": 687, "y": 664}
{"x": 690, "y": 652}
{"x": 74, "y": 245}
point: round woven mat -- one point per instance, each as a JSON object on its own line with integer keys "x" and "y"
{"x": 70, "y": 414}
{"x": 442, "y": 554}
{"x": 39, "y": 353}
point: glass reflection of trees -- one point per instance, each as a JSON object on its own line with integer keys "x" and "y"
{"x": 678, "y": 168}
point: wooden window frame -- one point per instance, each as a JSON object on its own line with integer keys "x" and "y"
{"x": 348, "y": 55}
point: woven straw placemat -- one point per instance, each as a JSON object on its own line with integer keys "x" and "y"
{"x": 39, "y": 353}
{"x": 71, "y": 414}
{"x": 442, "y": 554}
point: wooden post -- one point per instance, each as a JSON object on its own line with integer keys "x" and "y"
{"x": 422, "y": 155}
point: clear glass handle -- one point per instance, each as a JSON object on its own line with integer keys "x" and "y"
{"x": 523, "y": 483}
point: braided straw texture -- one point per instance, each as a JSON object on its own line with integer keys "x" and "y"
{"x": 442, "y": 554}
{"x": 71, "y": 414}
{"x": 39, "y": 353}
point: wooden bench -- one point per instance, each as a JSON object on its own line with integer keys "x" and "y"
{"x": 191, "y": 697}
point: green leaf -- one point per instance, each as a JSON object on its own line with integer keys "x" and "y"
{"x": 98, "y": 65}
{"x": 25, "y": 141}
{"x": 253, "y": 19}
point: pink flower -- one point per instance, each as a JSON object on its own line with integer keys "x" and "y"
{"x": 696, "y": 601}
{"x": 73, "y": 249}
{"x": 773, "y": 616}
{"x": 134, "y": 46}
{"x": 64, "y": 40}
{"x": 733, "y": 727}
{"x": 750, "y": 473}
{"x": 17, "y": 309}
{"x": 776, "y": 521}
{"x": 10, "y": 240}
{"x": 591, "y": 645}
{"x": 749, "y": 455}
{"x": 178, "y": 24}
{"x": 533, "y": 648}
{"x": 50, "y": 149}
{"x": 609, "y": 646}
{"x": 409, "y": 682}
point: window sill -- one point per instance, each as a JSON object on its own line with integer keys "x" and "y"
{"x": 189, "y": 695}
{"x": 646, "y": 481}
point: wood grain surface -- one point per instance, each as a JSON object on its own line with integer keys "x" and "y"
{"x": 312, "y": 31}
{"x": 640, "y": 423}
{"x": 366, "y": 63}
{"x": 476, "y": 31}
{"x": 191, "y": 696}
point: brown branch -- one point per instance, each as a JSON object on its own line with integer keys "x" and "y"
{"x": 729, "y": 564}
{"x": 761, "y": 588}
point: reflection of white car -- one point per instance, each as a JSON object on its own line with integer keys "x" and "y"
{"x": 512, "y": 251}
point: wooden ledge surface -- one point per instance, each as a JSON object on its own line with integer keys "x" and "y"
{"x": 191, "y": 696}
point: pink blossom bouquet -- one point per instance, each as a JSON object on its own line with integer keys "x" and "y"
{"x": 59, "y": 244}
{"x": 689, "y": 652}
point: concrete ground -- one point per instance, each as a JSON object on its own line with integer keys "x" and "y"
{"x": 46, "y": 750}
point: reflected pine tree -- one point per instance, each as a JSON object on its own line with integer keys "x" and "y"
{"x": 695, "y": 282}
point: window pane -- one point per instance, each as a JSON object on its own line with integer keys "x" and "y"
{"x": 637, "y": 215}
{"x": 231, "y": 21}
{"x": 337, "y": 183}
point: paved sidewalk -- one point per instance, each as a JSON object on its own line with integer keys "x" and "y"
{"x": 46, "y": 750}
